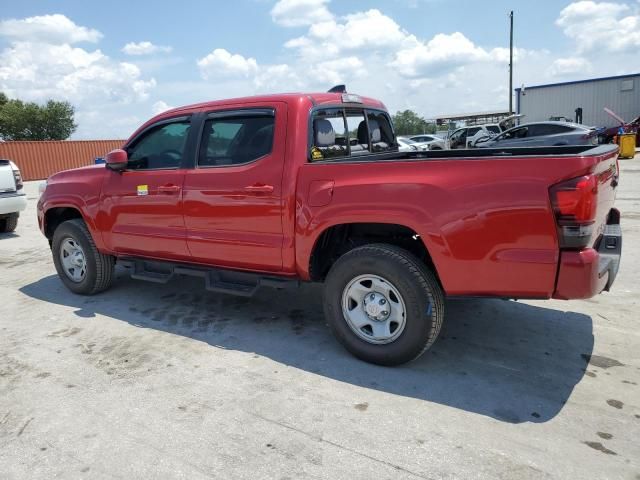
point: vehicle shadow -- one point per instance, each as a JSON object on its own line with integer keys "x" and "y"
{"x": 503, "y": 359}
{"x": 8, "y": 235}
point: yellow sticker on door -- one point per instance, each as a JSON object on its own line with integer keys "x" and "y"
{"x": 143, "y": 189}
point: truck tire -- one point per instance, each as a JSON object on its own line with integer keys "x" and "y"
{"x": 9, "y": 224}
{"x": 80, "y": 266}
{"x": 383, "y": 304}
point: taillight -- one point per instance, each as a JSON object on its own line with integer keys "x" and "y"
{"x": 575, "y": 203}
{"x": 18, "y": 178}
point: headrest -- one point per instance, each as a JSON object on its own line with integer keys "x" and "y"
{"x": 362, "y": 133}
{"x": 325, "y": 135}
{"x": 374, "y": 128}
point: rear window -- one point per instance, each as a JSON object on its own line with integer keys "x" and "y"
{"x": 342, "y": 133}
{"x": 537, "y": 130}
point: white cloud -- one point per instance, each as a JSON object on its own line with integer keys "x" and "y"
{"x": 221, "y": 63}
{"x": 144, "y": 48}
{"x": 276, "y": 78}
{"x": 38, "y": 71}
{"x": 299, "y": 13}
{"x": 570, "y": 66}
{"x": 339, "y": 71}
{"x": 604, "y": 26}
{"x": 47, "y": 28}
{"x": 159, "y": 107}
{"x": 440, "y": 54}
{"x": 41, "y": 62}
{"x": 370, "y": 30}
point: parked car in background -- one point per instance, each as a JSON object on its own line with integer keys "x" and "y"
{"x": 430, "y": 142}
{"x": 543, "y": 134}
{"x": 406, "y": 145}
{"x": 466, "y": 137}
{"x": 12, "y": 197}
{"x": 607, "y": 135}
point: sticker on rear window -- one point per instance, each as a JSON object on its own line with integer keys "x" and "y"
{"x": 316, "y": 154}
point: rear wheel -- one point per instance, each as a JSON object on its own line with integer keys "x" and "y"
{"x": 80, "y": 266}
{"x": 9, "y": 224}
{"x": 383, "y": 304}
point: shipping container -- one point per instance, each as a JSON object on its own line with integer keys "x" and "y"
{"x": 39, "y": 160}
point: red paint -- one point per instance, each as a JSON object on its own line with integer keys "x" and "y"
{"x": 487, "y": 223}
{"x": 579, "y": 276}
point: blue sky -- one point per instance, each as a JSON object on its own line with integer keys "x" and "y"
{"x": 432, "y": 56}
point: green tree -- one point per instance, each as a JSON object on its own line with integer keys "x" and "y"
{"x": 29, "y": 121}
{"x": 409, "y": 122}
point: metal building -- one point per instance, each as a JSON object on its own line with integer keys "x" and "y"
{"x": 621, "y": 94}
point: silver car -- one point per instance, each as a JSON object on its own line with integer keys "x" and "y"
{"x": 432, "y": 142}
{"x": 542, "y": 134}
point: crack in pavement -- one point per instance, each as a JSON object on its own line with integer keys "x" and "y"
{"x": 342, "y": 447}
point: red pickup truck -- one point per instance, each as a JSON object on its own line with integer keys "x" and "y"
{"x": 274, "y": 190}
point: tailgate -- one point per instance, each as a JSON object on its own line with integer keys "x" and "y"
{"x": 607, "y": 174}
{"x": 7, "y": 181}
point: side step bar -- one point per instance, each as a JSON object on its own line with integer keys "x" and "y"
{"x": 216, "y": 280}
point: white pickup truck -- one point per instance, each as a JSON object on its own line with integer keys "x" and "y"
{"x": 12, "y": 197}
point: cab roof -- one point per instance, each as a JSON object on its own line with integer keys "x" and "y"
{"x": 313, "y": 98}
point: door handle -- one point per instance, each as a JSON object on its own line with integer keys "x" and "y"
{"x": 168, "y": 188}
{"x": 259, "y": 188}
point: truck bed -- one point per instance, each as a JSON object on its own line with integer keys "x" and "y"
{"x": 560, "y": 151}
{"x": 485, "y": 216}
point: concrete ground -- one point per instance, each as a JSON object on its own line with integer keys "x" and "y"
{"x": 148, "y": 381}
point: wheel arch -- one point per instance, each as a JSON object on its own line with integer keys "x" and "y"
{"x": 57, "y": 214}
{"x": 337, "y": 239}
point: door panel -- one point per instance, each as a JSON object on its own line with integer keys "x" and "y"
{"x": 141, "y": 207}
{"x": 145, "y": 221}
{"x": 232, "y": 201}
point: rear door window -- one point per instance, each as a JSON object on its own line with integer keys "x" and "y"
{"x": 514, "y": 133}
{"x": 550, "y": 129}
{"x": 236, "y": 138}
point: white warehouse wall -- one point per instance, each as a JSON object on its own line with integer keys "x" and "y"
{"x": 620, "y": 94}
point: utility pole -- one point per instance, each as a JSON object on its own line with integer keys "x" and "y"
{"x": 511, "y": 63}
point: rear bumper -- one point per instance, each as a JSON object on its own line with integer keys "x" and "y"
{"x": 586, "y": 273}
{"x": 12, "y": 203}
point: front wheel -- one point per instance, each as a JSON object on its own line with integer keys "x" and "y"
{"x": 383, "y": 304}
{"x": 81, "y": 267}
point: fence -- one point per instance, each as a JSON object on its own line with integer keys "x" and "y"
{"x": 39, "y": 160}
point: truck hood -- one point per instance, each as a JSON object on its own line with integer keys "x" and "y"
{"x": 77, "y": 173}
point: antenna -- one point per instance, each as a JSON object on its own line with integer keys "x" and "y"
{"x": 338, "y": 89}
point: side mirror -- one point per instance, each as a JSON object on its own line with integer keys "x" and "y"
{"x": 116, "y": 160}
